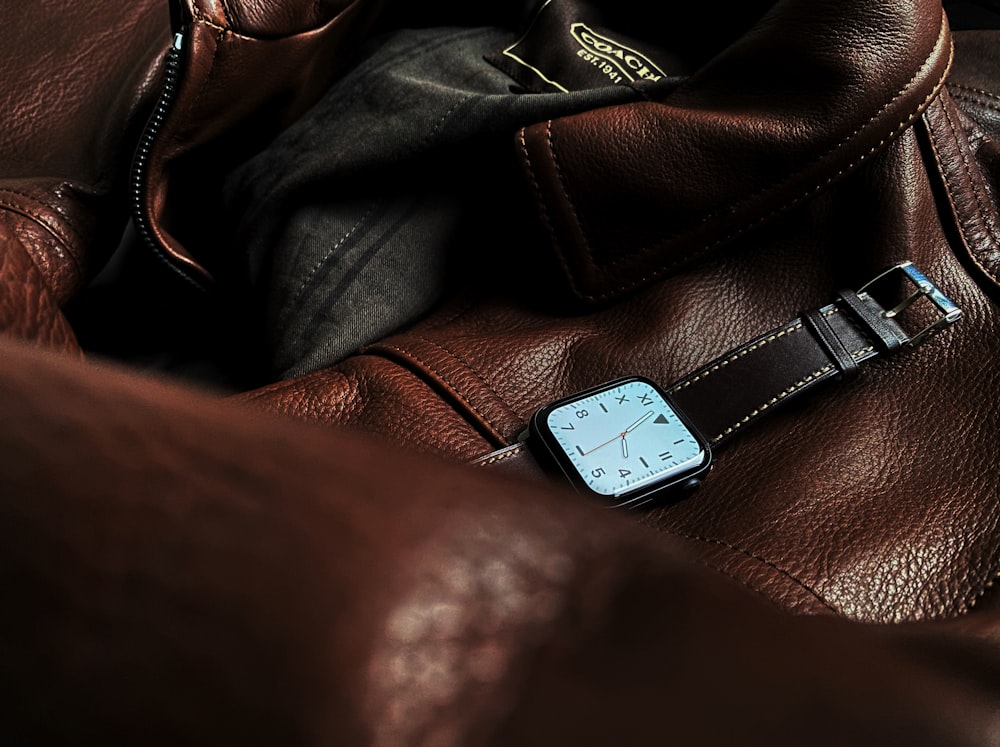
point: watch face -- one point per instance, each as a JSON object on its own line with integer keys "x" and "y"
{"x": 622, "y": 440}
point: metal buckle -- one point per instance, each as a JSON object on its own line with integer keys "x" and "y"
{"x": 949, "y": 312}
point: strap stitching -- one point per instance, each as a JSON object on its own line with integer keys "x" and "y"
{"x": 796, "y": 327}
{"x": 802, "y": 383}
{"x": 735, "y": 357}
{"x": 507, "y": 453}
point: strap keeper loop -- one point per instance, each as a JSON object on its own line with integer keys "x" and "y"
{"x": 842, "y": 358}
{"x": 887, "y": 335}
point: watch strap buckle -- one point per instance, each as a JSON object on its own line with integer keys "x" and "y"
{"x": 884, "y": 319}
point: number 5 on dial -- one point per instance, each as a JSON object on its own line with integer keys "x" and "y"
{"x": 623, "y": 441}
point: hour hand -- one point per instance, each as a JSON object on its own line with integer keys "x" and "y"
{"x": 599, "y": 446}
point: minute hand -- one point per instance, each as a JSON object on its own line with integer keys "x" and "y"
{"x": 638, "y": 422}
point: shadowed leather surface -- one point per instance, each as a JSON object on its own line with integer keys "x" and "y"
{"x": 87, "y": 78}
{"x": 181, "y": 570}
{"x": 248, "y": 71}
{"x": 742, "y": 140}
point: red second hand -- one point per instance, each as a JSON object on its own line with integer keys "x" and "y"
{"x": 620, "y": 435}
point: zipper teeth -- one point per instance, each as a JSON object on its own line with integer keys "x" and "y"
{"x": 140, "y": 162}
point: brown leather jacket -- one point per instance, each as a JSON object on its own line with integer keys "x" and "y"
{"x": 315, "y": 561}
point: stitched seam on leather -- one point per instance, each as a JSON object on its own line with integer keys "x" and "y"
{"x": 779, "y": 210}
{"x": 544, "y": 208}
{"x": 687, "y": 256}
{"x": 472, "y": 370}
{"x": 858, "y": 130}
{"x": 200, "y": 17}
{"x": 560, "y": 174}
{"x": 950, "y": 190}
{"x": 227, "y": 13}
{"x": 758, "y": 558}
{"x": 40, "y": 216}
{"x": 444, "y": 381}
{"x": 985, "y": 215}
{"x": 892, "y": 133}
{"x": 41, "y": 220}
{"x": 973, "y": 94}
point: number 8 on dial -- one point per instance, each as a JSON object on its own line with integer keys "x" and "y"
{"x": 622, "y": 441}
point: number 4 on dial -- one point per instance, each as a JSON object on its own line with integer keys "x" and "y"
{"x": 624, "y": 440}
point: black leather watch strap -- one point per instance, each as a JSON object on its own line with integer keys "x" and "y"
{"x": 733, "y": 391}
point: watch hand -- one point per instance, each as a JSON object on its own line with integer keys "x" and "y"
{"x": 639, "y": 422}
{"x": 621, "y": 435}
{"x": 588, "y": 451}
{"x": 624, "y": 447}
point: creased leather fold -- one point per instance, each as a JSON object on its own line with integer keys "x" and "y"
{"x": 181, "y": 571}
{"x": 963, "y": 153}
{"x": 78, "y": 84}
{"x": 28, "y": 310}
{"x": 811, "y": 92}
{"x": 247, "y": 73}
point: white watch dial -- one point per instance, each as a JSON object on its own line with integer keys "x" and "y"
{"x": 624, "y": 437}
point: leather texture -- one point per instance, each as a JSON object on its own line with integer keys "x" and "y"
{"x": 69, "y": 104}
{"x": 28, "y": 310}
{"x": 972, "y": 82}
{"x": 192, "y": 572}
{"x": 726, "y": 396}
{"x": 796, "y": 127}
{"x": 831, "y": 506}
{"x": 314, "y": 562}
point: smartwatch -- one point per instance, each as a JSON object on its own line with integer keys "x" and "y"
{"x": 624, "y": 441}
{"x": 629, "y": 441}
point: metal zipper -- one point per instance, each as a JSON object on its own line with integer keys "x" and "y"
{"x": 140, "y": 161}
